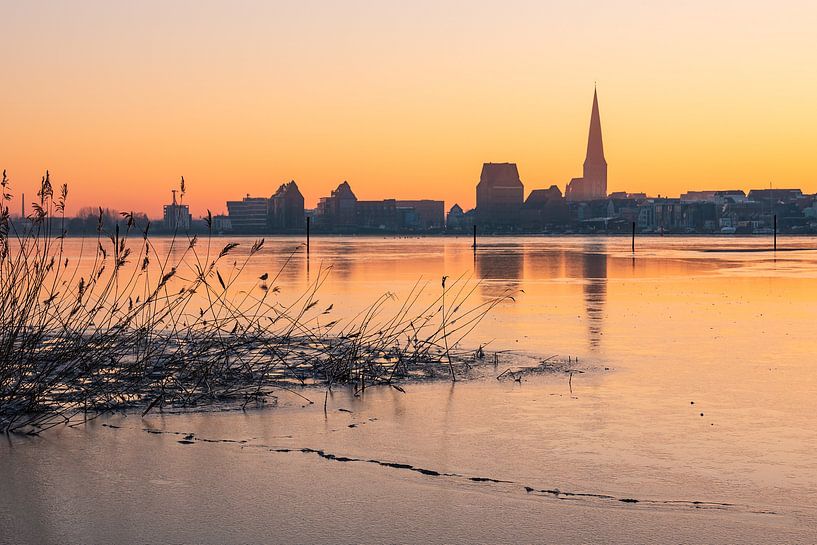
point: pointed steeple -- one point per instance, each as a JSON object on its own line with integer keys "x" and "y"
{"x": 595, "y": 147}
{"x": 593, "y": 185}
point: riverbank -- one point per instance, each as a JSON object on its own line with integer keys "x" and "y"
{"x": 469, "y": 462}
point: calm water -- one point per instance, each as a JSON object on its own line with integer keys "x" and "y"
{"x": 732, "y": 332}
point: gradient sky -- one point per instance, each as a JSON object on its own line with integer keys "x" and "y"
{"x": 404, "y": 99}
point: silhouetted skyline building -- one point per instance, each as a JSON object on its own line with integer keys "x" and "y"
{"x": 343, "y": 212}
{"x": 376, "y": 215}
{"x": 176, "y": 216}
{"x": 339, "y": 209}
{"x": 421, "y": 214}
{"x": 716, "y": 196}
{"x": 593, "y": 184}
{"x": 585, "y": 207}
{"x": 775, "y": 195}
{"x": 286, "y": 209}
{"x": 282, "y": 212}
{"x": 249, "y": 215}
{"x": 455, "y": 219}
{"x": 500, "y": 193}
{"x": 544, "y": 208}
{"x": 222, "y": 224}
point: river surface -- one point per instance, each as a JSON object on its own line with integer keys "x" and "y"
{"x": 691, "y": 415}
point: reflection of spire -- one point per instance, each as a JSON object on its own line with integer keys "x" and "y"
{"x": 594, "y": 269}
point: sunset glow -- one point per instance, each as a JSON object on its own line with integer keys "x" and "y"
{"x": 120, "y": 100}
{"x": 422, "y": 272}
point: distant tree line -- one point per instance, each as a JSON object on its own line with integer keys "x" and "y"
{"x": 89, "y": 220}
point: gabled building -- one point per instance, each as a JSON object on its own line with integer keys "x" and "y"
{"x": 544, "y": 208}
{"x": 455, "y": 219}
{"x": 337, "y": 211}
{"x": 286, "y": 209}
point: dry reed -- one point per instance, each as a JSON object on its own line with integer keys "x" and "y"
{"x": 140, "y": 328}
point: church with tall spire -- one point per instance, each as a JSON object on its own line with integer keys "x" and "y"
{"x": 593, "y": 184}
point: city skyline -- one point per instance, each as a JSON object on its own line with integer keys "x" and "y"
{"x": 592, "y": 186}
{"x": 372, "y": 271}
{"x": 700, "y": 97}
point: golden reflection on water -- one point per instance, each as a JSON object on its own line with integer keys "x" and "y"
{"x": 699, "y": 382}
{"x": 675, "y": 319}
{"x": 577, "y": 295}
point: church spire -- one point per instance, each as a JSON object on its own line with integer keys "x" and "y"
{"x": 593, "y": 185}
{"x": 595, "y": 148}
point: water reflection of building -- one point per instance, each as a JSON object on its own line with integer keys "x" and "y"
{"x": 500, "y": 268}
{"x": 343, "y": 255}
{"x": 594, "y": 270}
{"x": 545, "y": 263}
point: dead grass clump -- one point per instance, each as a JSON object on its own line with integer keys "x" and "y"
{"x": 136, "y": 327}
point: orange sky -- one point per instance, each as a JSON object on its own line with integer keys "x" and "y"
{"x": 401, "y": 100}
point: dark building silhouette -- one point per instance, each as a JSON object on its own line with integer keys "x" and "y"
{"x": 500, "y": 193}
{"x": 176, "y": 216}
{"x": 544, "y": 195}
{"x": 421, "y": 215}
{"x": 222, "y": 224}
{"x": 717, "y": 196}
{"x": 627, "y": 195}
{"x": 455, "y": 220}
{"x": 339, "y": 209}
{"x": 286, "y": 209}
{"x": 593, "y": 185}
{"x": 376, "y": 215}
{"x": 342, "y": 212}
{"x": 282, "y": 212}
{"x": 543, "y": 208}
{"x": 249, "y": 215}
{"x": 775, "y": 195}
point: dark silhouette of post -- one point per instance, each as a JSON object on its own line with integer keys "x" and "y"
{"x": 307, "y": 235}
{"x": 633, "y": 243}
{"x": 775, "y": 232}
{"x": 475, "y": 237}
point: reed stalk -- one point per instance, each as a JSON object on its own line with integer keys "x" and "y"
{"x": 136, "y": 328}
